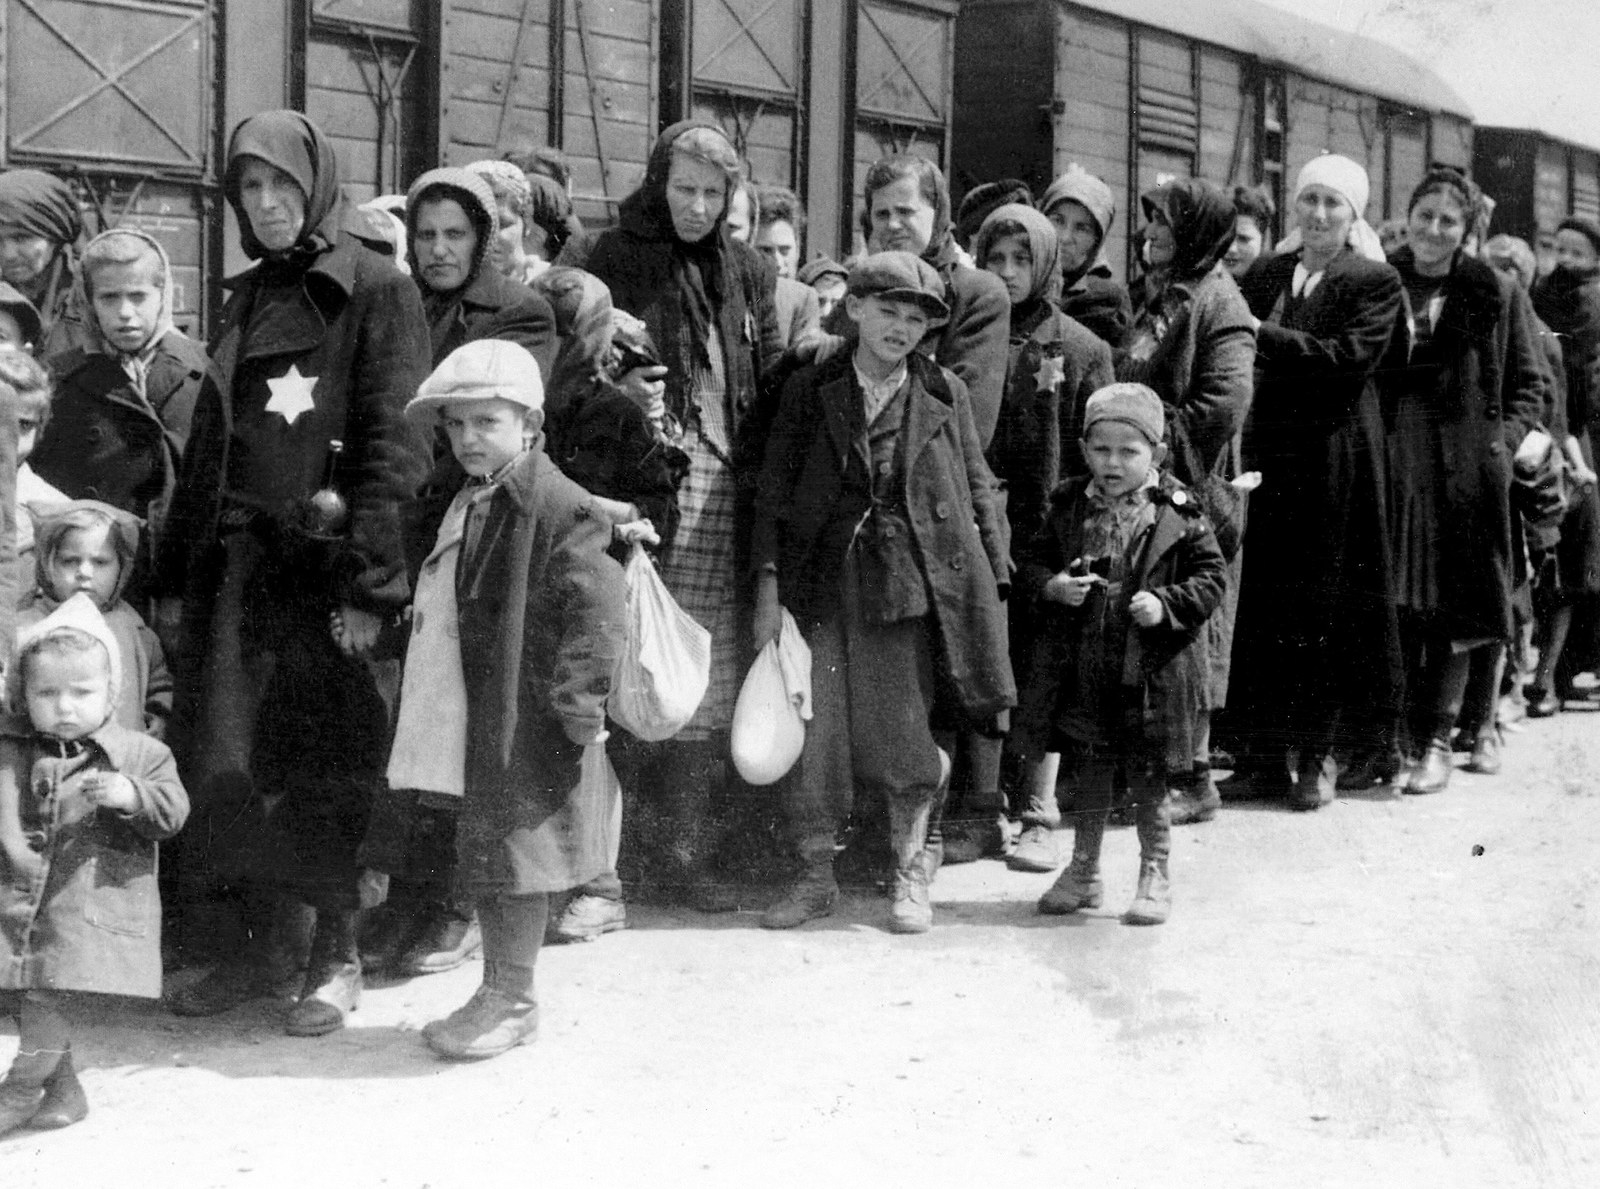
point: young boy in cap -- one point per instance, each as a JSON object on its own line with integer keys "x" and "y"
{"x": 515, "y": 626}
{"x": 876, "y": 527}
{"x": 1125, "y": 573}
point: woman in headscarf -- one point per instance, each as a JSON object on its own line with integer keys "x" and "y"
{"x": 1193, "y": 341}
{"x": 1473, "y": 389}
{"x": 1055, "y": 365}
{"x": 40, "y": 226}
{"x": 1082, "y": 209}
{"x": 1568, "y": 300}
{"x": 708, "y": 304}
{"x": 1317, "y": 654}
{"x": 286, "y": 524}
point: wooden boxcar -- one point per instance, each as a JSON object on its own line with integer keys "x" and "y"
{"x": 1536, "y": 181}
{"x": 1140, "y": 91}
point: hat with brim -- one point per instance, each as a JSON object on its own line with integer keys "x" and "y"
{"x": 488, "y": 369}
{"x": 900, "y": 276}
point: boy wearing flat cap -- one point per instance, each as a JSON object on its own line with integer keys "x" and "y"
{"x": 515, "y": 628}
{"x": 1124, "y": 575}
{"x": 876, "y": 526}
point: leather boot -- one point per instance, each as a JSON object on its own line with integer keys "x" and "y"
{"x": 1433, "y": 774}
{"x": 910, "y": 910}
{"x": 333, "y": 981}
{"x": 1193, "y": 798}
{"x": 490, "y": 1023}
{"x": 1315, "y": 782}
{"x": 444, "y": 941}
{"x": 1078, "y": 886}
{"x": 64, "y": 1102}
{"x": 814, "y": 892}
{"x": 1152, "y": 902}
{"x": 254, "y": 972}
{"x": 23, "y": 1089}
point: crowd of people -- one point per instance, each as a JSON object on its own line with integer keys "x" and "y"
{"x": 333, "y": 606}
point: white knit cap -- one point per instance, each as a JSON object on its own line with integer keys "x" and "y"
{"x": 487, "y": 369}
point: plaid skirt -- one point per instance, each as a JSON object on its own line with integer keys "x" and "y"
{"x": 699, "y": 571}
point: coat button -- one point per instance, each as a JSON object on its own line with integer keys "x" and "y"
{"x": 888, "y": 531}
{"x": 885, "y": 467}
{"x": 941, "y": 510}
{"x": 955, "y": 563}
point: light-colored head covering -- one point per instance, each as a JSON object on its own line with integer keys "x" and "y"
{"x": 486, "y": 369}
{"x": 385, "y": 217}
{"x": 471, "y": 193}
{"x": 1349, "y": 180}
{"x": 99, "y": 252}
{"x": 78, "y": 612}
{"x": 1080, "y": 186}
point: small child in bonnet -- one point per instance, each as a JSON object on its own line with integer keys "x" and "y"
{"x": 83, "y": 803}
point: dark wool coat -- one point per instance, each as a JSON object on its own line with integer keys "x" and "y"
{"x": 1318, "y": 642}
{"x": 79, "y": 909}
{"x": 1570, "y": 306}
{"x": 541, "y": 606}
{"x": 355, "y": 323}
{"x": 1459, "y": 411}
{"x": 976, "y": 340}
{"x": 1180, "y": 564}
{"x": 1101, "y": 303}
{"x": 106, "y": 442}
{"x": 956, "y": 528}
{"x": 496, "y": 307}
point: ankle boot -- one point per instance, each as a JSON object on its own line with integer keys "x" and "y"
{"x": 1433, "y": 774}
{"x": 1078, "y": 886}
{"x": 23, "y": 1089}
{"x": 64, "y": 1102}
{"x": 333, "y": 980}
{"x": 1153, "y": 901}
{"x": 910, "y": 910}
{"x": 1485, "y": 759}
{"x": 254, "y": 971}
{"x": 814, "y": 892}
{"x": 1315, "y": 782}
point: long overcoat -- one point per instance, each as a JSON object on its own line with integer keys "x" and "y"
{"x": 1317, "y": 650}
{"x": 956, "y": 527}
{"x": 1459, "y": 410}
{"x": 79, "y": 909}
{"x": 541, "y": 608}
{"x": 1179, "y": 563}
{"x": 1570, "y": 306}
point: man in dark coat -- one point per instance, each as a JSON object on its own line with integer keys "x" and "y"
{"x": 283, "y": 735}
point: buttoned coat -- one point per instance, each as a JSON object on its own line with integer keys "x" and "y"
{"x": 496, "y": 307}
{"x": 79, "y": 908}
{"x": 541, "y": 609}
{"x": 956, "y": 527}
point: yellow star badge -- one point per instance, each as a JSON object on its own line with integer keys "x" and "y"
{"x": 291, "y": 394}
{"x": 1050, "y": 373}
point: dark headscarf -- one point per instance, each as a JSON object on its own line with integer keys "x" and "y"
{"x": 289, "y": 142}
{"x": 1202, "y": 218}
{"x": 39, "y": 204}
{"x": 699, "y": 270}
{"x": 982, "y": 201}
{"x": 550, "y": 210}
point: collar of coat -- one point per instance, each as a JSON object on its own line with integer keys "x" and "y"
{"x": 336, "y": 266}
{"x": 113, "y": 740}
{"x": 845, "y": 412}
{"x": 1472, "y": 296}
{"x": 1168, "y": 530}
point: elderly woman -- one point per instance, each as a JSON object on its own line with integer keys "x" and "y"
{"x": 1318, "y": 652}
{"x": 1473, "y": 389}
{"x": 708, "y": 304}
{"x": 39, "y": 230}
{"x": 286, "y": 526}
{"x": 1193, "y": 341}
{"x": 1082, "y": 209}
{"x": 1568, "y": 300}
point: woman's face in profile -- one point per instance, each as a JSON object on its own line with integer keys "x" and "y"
{"x": 697, "y": 191}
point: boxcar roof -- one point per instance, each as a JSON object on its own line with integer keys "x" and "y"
{"x": 1307, "y": 47}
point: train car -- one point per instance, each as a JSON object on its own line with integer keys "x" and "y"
{"x": 1141, "y": 91}
{"x": 1536, "y": 180}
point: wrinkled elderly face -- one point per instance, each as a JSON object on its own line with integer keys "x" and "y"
{"x": 274, "y": 204}
{"x": 1326, "y": 217}
{"x": 445, "y": 244}
{"x": 696, "y": 193}
{"x": 1076, "y": 232}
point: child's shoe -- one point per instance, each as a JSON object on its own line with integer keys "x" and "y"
{"x": 490, "y": 1023}
{"x": 23, "y": 1089}
{"x": 1152, "y": 903}
{"x": 1036, "y": 850}
{"x": 1076, "y": 888}
{"x": 64, "y": 1103}
{"x": 911, "y": 911}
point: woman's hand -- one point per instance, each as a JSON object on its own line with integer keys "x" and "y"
{"x": 1070, "y": 589}
{"x": 372, "y": 888}
{"x": 647, "y": 388}
{"x": 1147, "y": 610}
{"x": 355, "y": 631}
{"x": 636, "y": 532}
{"x": 769, "y": 612}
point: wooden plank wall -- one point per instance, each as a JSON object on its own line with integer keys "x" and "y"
{"x": 1585, "y": 184}
{"x": 1452, "y": 140}
{"x": 1091, "y": 90}
{"x": 1328, "y": 119}
{"x": 1227, "y": 121}
{"x": 479, "y": 39}
{"x": 1549, "y": 185}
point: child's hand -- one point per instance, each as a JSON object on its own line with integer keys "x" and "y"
{"x": 110, "y": 790}
{"x": 1147, "y": 610}
{"x": 1070, "y": 589}
{"x": 372, "y": 889}
{"x": 636, "y": 532}
{"x": 355, "y": 631}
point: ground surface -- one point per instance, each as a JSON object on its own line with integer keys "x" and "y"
{"x": 1359, "y": 997}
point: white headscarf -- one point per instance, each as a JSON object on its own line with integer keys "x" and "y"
{"x": 1349, "y": 180}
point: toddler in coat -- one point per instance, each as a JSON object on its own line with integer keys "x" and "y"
{"x": 83, "y": 803}
{"x": 1124, "y": 575}
{"x": 515, "y": 628}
